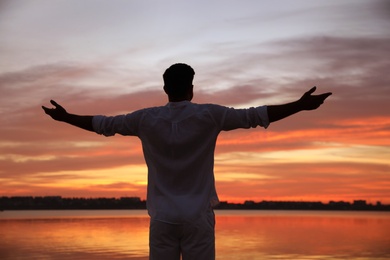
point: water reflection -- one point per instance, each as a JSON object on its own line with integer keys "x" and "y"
{"x": 239, "y": 234}
{"x": 305, "y": 235}
{"x": 75, "y": 238}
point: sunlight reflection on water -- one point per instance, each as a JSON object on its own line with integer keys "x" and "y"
{"x": 239, "y": 235}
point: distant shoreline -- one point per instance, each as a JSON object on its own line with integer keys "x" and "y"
{"x": 127, "y": 203}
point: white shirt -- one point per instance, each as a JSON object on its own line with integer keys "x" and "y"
{"x": 178, "y": 142}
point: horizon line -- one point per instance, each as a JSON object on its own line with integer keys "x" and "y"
{"x": 221, "y": 201}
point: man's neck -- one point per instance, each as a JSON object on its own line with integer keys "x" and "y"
{"x": 172, "y": 99}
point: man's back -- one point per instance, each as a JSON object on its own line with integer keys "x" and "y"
{"x": 178, "y": 142}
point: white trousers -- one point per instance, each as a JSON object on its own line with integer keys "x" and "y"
{"x": 191, "y": 241}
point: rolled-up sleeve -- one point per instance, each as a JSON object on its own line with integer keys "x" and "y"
{"x": 97, "y": 124}
{"x": 245, "y": 118}
{"x": 262, "y": 112}
{"x": 111, "y": 125}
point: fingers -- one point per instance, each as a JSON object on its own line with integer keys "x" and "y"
{"x": 54, "y": 103}
{"x": 45, "y": 109}
{"x": 326, "y": 95}
{"x": 323, "y": 96}
{"x": 311, "y": 91}
{"x": 50, "y": 111}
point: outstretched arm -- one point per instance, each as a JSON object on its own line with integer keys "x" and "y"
{"x": 306, "y": 102}
{"x": 59, "y": 113}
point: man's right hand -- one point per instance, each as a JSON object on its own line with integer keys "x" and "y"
{"x": 58, "y": 113}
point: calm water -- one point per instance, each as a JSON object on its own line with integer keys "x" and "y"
{"x": 123, "y": 234}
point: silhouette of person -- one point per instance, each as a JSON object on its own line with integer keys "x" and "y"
{"x": 178, "y": 142}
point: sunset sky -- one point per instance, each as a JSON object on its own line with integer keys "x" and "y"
{"x": 107, "y": 57}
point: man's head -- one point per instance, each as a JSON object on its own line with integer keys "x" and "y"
{"x": 178, "y": 82}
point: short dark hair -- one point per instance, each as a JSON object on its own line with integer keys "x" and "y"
{"x": 178, "y": 79}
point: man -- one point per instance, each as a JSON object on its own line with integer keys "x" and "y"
{"x": 178, "y": 142}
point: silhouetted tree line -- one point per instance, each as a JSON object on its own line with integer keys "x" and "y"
{"x": 305, "y": 205}
{"x": 57, "y": 203}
